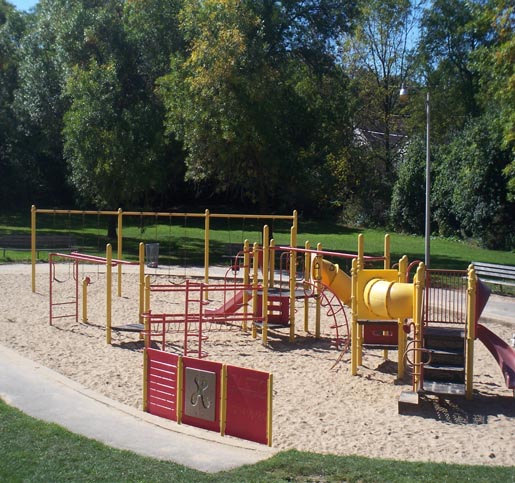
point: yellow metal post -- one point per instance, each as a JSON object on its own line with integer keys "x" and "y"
{"x": 401, "y": 335}
{"x": 33, "y": 245}
{"x": 109, "y": 285}
{"x": 387, "y": 252}
{"x": 266, "y": 252}
{"x": 179, "y": 390}
{"x": 307, "y": 278}
{"x": 471, "y": 329}
{"x": 141, "y": 281}
{"x": 145, "y": 379}
{"x": 120, "y": 249}
{"x": 146, "y": 307}
{"x": 359, "y": 294}
{"x": 223, "y": 400}
{"x": 418, "y": 287}
{"x": 361, "y": 252}
{"x": 354, "y": 318}
{"x": 319, "y": 289}
{"x": 269, "y": 409}
{"x": 293, "y": 263}
{"x": 146, "y": 310}
{"x": 255, "y": 263}
{"x": 246, "y": 280}
{"x": 85, "y": 282}
{"x": 206, "y": 251}
{"x": 271, "y": 263}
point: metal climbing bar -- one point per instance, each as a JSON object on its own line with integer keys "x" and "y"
{"x": 73, "y": 301}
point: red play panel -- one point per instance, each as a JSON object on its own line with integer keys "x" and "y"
{"x": 162, "y": 384}
{"x": 209, "y": 366}
{"x": 247, "y": 404}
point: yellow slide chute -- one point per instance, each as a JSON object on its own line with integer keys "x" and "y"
{"x": 382, "y": 298}
{"x": 334, "y": 278}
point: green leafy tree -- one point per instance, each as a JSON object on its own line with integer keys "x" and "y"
{"x": 246, "y": 98}
{"x": 12, "y": 27}
{"x": 39, "y": 107}
{"x": 76, "y": 55}
{"x": 106, "y": 150}
{"x": 452, "y": 32}
{"x": 498, "y": 77}
{"x": 153, "y": 31}
{"x": 408, "y": 197}
{"x": 379, "y": 56}
{"x": 473, "y": 199}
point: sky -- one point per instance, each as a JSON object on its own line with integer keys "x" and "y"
{"x": 23, "y": 4}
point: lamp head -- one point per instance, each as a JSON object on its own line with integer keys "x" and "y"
{"x": 403, "y": 94}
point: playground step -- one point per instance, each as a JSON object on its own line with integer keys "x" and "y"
{"x": 408, "y": 402}
{"x": 437, "y": 356}
{"x": 444, "y": 338}
{"x": 443, "y": 388}
{"x": 272, "y": 325}
{"x": 444, "y": 373}
{"x": 128, "y": 328}
{"x": 443, "y": 342}
{"x": 388, "y": 347}
{"x": 444, "y": 331}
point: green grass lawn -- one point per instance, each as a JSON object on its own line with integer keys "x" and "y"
{"x": 34, "y": 451}
{"x": 181, "y": 240}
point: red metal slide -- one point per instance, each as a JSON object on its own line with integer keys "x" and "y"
{"x": 502, "y": 352}
{"x": 231, "y": 306}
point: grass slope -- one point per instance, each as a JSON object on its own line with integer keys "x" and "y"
{"x": 34, "y": 451}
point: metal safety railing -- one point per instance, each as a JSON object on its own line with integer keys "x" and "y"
{"x": 445, "y": 298}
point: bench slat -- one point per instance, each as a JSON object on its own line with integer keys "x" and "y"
{"x": 497, "y": 282}
{"x": 491, "y": 273}
{"x": 493, "y": 265}
{"x": 495, "y": 274}
{"x": 22, "y": 242}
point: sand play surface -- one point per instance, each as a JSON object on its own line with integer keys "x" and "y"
{"x": 316, "y": 408}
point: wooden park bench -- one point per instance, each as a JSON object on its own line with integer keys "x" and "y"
{"x": 22, "y": 242}
{"x": 495, "y": 274}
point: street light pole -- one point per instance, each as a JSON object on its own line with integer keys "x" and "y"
{"x": 427, "y": 252}
{"x": 404, "y": 95}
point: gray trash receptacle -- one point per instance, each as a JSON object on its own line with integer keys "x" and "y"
{"x": 152, "y": 254}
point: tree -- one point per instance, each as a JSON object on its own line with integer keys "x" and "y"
{"x": 152, "y": 29}
{"x": 39, "y": 107}
{"x": 104, "y": 139}
{"x": 408, "y": 196}
{"x": 473, "y": 199}
{"x": 452, "y": 32}
{"x": 498, "y": 77}
{"x": 239, "y": 99}
{"x": 12, "y": 27}
{"x": 379, "y": 57}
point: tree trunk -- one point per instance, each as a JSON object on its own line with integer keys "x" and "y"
{"x": 112, "y": 223}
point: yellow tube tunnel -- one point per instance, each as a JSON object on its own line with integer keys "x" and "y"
{"x": 390, "y": 300}
{"x": 385, "y": 299}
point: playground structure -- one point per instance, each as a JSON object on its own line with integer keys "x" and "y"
{"x": 441, "y": 308}
{"x": 109, "y": 262}
{"x": 431, "y": 321}
{"x": 247, "y": 302}
{"x": 259, "y": 301}
{"x": 442, "y": 349}
{"x": 189, "y": 390}
{"x": 121, "y": 215}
